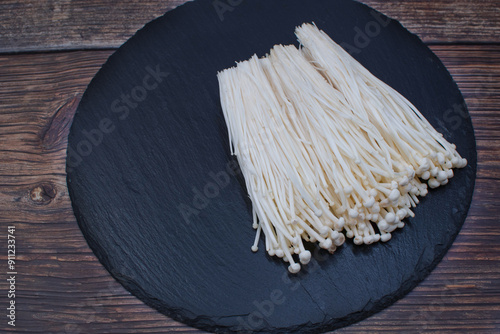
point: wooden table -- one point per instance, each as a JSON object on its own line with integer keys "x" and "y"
{"x": 50, "y": 50}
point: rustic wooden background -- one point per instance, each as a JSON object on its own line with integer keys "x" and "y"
{"x": 50, "y": 50}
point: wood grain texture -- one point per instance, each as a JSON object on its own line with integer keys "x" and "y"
{"x": 62, "y": 288}
{"x": 41, "y": 25}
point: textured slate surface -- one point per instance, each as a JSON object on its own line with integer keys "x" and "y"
{"x": 149, "y": 139}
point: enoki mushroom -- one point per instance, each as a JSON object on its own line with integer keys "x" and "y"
{"x": 326, "y": 148}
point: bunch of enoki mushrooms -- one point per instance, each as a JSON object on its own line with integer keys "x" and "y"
{"x": 327, "y": 149}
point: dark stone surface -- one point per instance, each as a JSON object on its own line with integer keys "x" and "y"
{"x": 134, "y": 167}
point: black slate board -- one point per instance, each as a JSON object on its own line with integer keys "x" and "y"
{"x": 149, "y": 136}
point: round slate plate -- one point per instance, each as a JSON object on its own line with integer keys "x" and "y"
{"x": 161, "y": 204}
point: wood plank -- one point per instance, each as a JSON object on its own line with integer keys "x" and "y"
{"x": 41, "y": 25}
{"x": 63, "y": 288}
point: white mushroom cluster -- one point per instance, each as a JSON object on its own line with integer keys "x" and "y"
{"x": 326, "y": 148}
